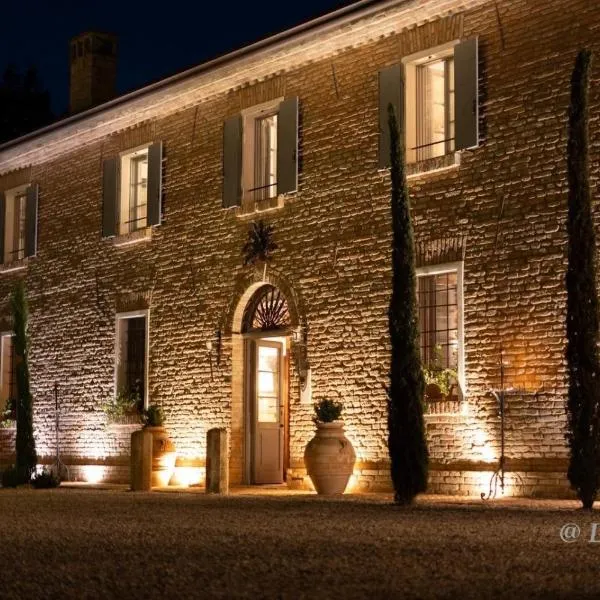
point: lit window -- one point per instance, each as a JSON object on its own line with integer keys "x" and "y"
{"x": 131, "y": 364}
{"x": 8, "y": 379}
{"x": 15, "y": 225}
{"x": 430, "y": 127}
{"x": 259, "y": 171}
{"x": 440, "y": 304}
{"x": 133, "y": 212}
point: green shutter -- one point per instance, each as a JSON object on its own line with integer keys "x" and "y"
{"x": 109, "y": 197}
{"x": 287, "y": 146}
{"x": 31, "y": 220}
{"x": 391, "y": 91}
{"x": 155, "y": 183}
{"x": 466, "y": 92}
{"x": 232, "y": 162}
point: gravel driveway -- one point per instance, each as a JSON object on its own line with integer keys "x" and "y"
{"x": 70, "y": 543}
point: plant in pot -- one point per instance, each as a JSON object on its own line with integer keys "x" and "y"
{"x": 125, "y": 408}
{"x": 329, "y": 457}
{"x": 164, "y": 453}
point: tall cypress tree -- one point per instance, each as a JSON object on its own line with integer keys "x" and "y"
{"x": 583, "y": 364}
{"x": 406, "y": 438}
{"x": 26, "y": 458}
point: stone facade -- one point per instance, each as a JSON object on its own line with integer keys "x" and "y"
{"x": 506, "y": 200}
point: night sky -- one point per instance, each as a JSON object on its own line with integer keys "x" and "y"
{"x": 155, "y": 39}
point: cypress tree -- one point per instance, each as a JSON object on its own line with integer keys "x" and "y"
{"x": 26, "y": 458}
{"x": 407, "y": 443}
{"x": 583, "y": 365}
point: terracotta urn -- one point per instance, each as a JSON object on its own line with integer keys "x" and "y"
{"x": 164, "y": 455}
{"x": 329, "y": 458}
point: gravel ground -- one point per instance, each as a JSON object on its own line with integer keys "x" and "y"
{"x": 72, "y": 543}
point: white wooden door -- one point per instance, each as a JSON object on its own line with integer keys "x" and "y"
{"x": 268, "y": 443}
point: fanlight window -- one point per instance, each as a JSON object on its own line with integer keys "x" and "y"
{"x": 267, "y": 310}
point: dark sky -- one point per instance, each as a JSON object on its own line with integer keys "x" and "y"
{"x": 156, "y": 39}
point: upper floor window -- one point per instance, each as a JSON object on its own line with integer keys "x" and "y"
{"x": 132, "y": 191}
{"x": 18, "y": 223}
{"x": 260, "y": 156}
{"x": 133, "y": 199}
{"x": 435, "y": 98}
{"x": 429, "y": 108}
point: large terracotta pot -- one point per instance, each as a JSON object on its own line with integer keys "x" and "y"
{"x": 164, "y": 455}
{"x": 329, "y": 458}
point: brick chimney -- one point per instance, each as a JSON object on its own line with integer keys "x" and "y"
{"x": 93, "y": 70}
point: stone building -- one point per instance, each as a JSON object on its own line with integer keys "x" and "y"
{"x": 127, "y": 223}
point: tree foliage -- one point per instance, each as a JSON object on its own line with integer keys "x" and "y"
{"x": 583, "y": 365}
{"x": 406, "y": 439}
{"x": 24, "y": 104}
{"x": 26, "y": 458}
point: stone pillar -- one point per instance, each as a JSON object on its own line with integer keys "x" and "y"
{"x": 141, "y": 461}
{"x": 217, "y": 471}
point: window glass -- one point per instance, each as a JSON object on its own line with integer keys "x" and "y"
{"x": 438, "y": 320}
{"x": 15, "y": 230}
{"x": 9, "y": 380}
{"x": 131, "y": 359}
{"x": 434, "y": 84}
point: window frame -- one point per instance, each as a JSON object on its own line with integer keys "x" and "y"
{"x": 126, "y": 158}
{"x": 10, "y": 335}
{"x": 250, "y": 118}
{"x": 123, "y": 316}
{"x": 411, "y": 64}
{"x": 10, "y": 197}
{"x": 458, "y": 268}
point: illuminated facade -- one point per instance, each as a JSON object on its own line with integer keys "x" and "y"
{"x": 127, "y": 223}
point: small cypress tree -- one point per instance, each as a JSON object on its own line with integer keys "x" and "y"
{"x": 583, "y": 365}
{"x": 406, "y": 438}
{"x": 25, "y": 443}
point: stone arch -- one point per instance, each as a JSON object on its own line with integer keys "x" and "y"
{"x": 246, "y": 285}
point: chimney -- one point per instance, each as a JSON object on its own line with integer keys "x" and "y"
{"x": 93, "y": 70}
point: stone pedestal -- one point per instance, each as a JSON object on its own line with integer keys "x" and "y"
{"x": 217, "y": 471}
{"x": 141, "y": 461}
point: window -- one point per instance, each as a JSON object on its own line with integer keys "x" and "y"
{"x": 15, "y": 224}
{"x": 439, "y": 299}
{"x": 260, "y": 156}
{"x": 18, "y": 224}
{"x": 8, "y": 378}
{"x": 133, "y": 210}
{"x": 435, "y": 96}
{"x": 132, "y": 354}
{"x": 132, "y": 193}
{"x": 259, "y": 168}
{"x": 429, "y": 106}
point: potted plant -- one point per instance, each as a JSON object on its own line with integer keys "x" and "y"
{"x": 329, "y": 456}
{"x": 8, "y": 417}
{"x": 440, "y": 382}
{"x": 164, "y": 453}
{"x": 125, "y": 408}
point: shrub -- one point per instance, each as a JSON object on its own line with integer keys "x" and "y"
{"x": 407, "y": 444}
{"x": 26, "y": 457}
{"x": 10, "y": 478}
{"x": 153, "y": 416}
{"x": 126, "y": 403}
{"x": 45, "y": 479}
{"x": 327, "y": 411}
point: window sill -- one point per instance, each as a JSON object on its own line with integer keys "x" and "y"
{"x": 445, "y": 405}
{"x": 249, "y": 209}
{"x": 16, "y": 265}
{"x": 135, "y": 237}
{"x": 433, "y": 165}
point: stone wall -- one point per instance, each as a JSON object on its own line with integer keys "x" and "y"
{"x": 507, "y": 198}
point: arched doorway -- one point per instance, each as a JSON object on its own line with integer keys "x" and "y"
{"x": 266, "y": 329}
